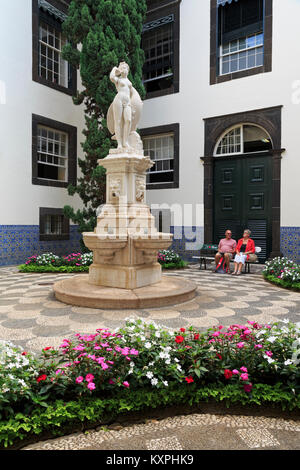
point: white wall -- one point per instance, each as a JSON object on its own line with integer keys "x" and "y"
{"x": 197, "y": 100}
{"x": 19, "y": 199}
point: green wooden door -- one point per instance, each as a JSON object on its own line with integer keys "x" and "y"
{"x": 242, "y": 199}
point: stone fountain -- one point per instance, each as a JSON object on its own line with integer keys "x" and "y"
{"x": 125, "y": 272}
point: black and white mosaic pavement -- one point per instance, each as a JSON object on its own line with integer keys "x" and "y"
{"x": 31, "y": 317}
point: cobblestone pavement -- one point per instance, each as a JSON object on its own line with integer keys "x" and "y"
{"x": 192, "y": 432}
{"x": 31, "y": 317}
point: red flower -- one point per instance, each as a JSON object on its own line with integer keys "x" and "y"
{"x": 189, "y": 379}
{"x": 24, "y": 353}
{"x": 248, "y": 387}
{"x": 179, "y": 339}
{"x": 182, "y": 330}
{"x": 47, "y": 349}
{"x": 197, "y": 336}
{"x": 219, "y": 356}
{"x": 228, "y": 374}
{"x": 41, "y": 378}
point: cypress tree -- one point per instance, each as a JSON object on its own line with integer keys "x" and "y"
{"x": 100, "y": 34}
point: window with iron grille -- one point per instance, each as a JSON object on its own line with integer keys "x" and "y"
{"x": 53, "y": 224}
{"x": 52, "y": 154}
{"x": 161, "y": 45}
{"x": 158, "y": 48}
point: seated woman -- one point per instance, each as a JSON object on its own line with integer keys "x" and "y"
{"x": 245, "y": 250}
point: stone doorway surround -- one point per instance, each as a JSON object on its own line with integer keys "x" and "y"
{"x": 270, "y": 120}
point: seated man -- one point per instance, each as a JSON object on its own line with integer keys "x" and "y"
{"x": 227, "y": 247}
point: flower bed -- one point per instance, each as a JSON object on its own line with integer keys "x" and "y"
{"x": 78, "y": 263}
{"x": 49, "y": 262}
{"x": 93, "y": 377}
{"x": 283, "y": 272}
{"x": 170, "y": 260}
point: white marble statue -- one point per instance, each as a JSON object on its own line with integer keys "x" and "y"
{"x": 125, "y": 112}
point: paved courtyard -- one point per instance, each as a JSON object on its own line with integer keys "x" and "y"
{"x": 31, "y": 317}
{"x": 192, "y": 432}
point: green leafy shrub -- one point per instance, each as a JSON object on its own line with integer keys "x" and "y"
{"x": 142, "y": 365}
{"x": 24, "y": 268}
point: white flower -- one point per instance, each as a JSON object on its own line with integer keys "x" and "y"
{"x": 157, "y": 334}
{"x": 148, "y": 345}
{"x": 154, "y": 381}
{"x": 271, "y": 339}
{"x": 176, "y": 360}
{"x": 149, "y": 375}
{"x": 165, "y": 383}
{"x": 151, "y": 364}
{"x": 288, "y": 362}
{"x": 179, "y": 367}
{"x": 168, "y": 361}
{"x": 269, "y": 359}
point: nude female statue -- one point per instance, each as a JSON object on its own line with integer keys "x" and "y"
{"x": 125, "y": 110}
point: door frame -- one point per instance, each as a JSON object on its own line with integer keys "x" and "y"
{"x": 270, "y": 120}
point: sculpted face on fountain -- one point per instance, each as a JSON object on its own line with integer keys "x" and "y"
{"x": 124, "y": 113}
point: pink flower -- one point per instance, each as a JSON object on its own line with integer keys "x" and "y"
{"x": 248, "y": 388}
{"x": 258, "y": 346}
{"x": 244, "y": 376}
{"x": 79, "y": 348}
{"x": 91, "y": 386}
{"x": 244, "y": 369}
{"x": 240, "y": 345}
{"x": 216, "y": 333}
{"x": 269, "y": 353}
{"x": 133, "y": 352}
{"x": 89, "y": 378}
{"x": 126, "y": 384}
{"x": 79, "y": 380}
{"x": 235, "y": 372}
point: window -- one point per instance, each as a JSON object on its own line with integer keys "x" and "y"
{"x": 160, "y": 148}
{"x": 161, "y": 144}
{"x": 158, "y": 67}
{"x": 241, "y": 38}
{"x": 160, "y": 42}
{"x": 244, "y": 139}
{"x": 52, "y": 154}
{"x": 49, "y": 67}
{"x": 54, "y": 161}
{"x": 53, "y": 224}
{"x": 242, "y": 54}
{"x": 52, "y": 66}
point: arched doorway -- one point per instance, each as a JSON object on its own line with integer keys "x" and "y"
{"x": 243, "y": 185}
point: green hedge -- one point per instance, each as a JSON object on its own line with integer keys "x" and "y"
{"x": 33, "y": 268}
{"x": 179, "y": 265}
{"x": 281, "y": 283}
{"x": 60, "y": 417}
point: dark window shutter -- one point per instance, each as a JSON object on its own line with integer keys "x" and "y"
{"x": 240, "y": 19}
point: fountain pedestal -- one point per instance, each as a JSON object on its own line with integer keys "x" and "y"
{"x": 125, "y": 242}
